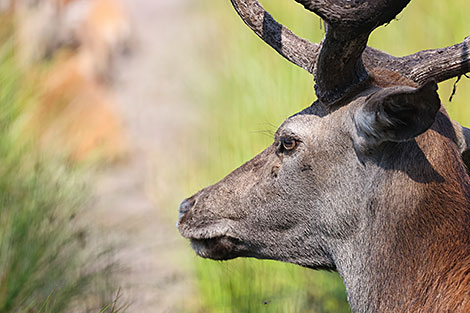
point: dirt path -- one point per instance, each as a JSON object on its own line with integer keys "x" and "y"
{"x": 158, "y": 118}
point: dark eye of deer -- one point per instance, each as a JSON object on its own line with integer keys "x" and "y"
{"x": 288, "y": 143}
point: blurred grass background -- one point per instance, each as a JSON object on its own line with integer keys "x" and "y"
{"x": 246, "y": 90}
{"x": 46, "y": 263}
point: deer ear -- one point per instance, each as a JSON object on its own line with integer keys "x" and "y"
{"x": 397, "y": 113}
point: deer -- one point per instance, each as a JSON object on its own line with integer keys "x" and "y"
{"x": 368, "y": 181}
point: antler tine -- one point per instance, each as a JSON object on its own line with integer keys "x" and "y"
{"x": 340, "y": 70}
{"x": 295, "y": 49}
{"x": 439, "y": 64}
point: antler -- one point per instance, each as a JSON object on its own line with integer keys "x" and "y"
{"x": 348, "y": 25}
{"x": 439, "y": 64}
{"x": 340, "y": 65}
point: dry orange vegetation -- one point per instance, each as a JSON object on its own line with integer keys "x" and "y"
{"x": 76, "y": 111}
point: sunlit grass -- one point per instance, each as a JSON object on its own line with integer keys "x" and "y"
{"x": 268, "y": 286}
{"x": 246, "y": 90}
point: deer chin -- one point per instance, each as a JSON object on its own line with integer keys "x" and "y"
{"x": 218, "y": 248}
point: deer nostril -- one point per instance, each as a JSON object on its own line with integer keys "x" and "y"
{"x": 185, "y": 206}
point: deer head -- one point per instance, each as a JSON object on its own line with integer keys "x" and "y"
{"x": 368, "y": 181}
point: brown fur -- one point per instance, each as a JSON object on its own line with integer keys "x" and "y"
{"x": 445, "y": 270}
{"x": 382, "y": 77}
{"x": 433, "y": 275}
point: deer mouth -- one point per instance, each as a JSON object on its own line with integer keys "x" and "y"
{"x": 215, "y": 242}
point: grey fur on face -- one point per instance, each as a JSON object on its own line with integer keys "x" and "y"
{"x": 319, "y": 204}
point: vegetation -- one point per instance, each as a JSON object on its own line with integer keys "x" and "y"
{"x": 45, "y": 262}
{"x": 246, "y": 90}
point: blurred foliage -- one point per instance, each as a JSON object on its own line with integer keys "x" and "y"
{"x": 266, "y": 286}
{"x": 246, "y": 90}
{"x": 46, "y": 264}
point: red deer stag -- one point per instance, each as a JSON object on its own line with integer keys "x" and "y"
{"x": 368, "y": 181}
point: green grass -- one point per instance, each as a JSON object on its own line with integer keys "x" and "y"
{"x": 45, "y": 262}
{"x": 245, "y": 91}
{"x": 245, "y": 285}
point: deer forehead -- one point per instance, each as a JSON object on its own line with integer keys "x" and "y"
{"x": 306, "y": 126}
{"x": 299, "y": 126}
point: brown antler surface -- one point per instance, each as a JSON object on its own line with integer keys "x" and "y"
{"x": 297, "y": 50}
{"x": 339, "y": 69}
{"x": 355, "y": 16}
{"x": 439, "y": 64}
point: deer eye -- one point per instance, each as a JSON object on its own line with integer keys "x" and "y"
{"x": 288, "y": 143}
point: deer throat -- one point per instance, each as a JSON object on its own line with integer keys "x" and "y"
{"x": 415, "y": 262}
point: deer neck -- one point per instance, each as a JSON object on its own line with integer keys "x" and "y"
{"x": 408, "y": 276}
{"x": 413, "y": 252}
